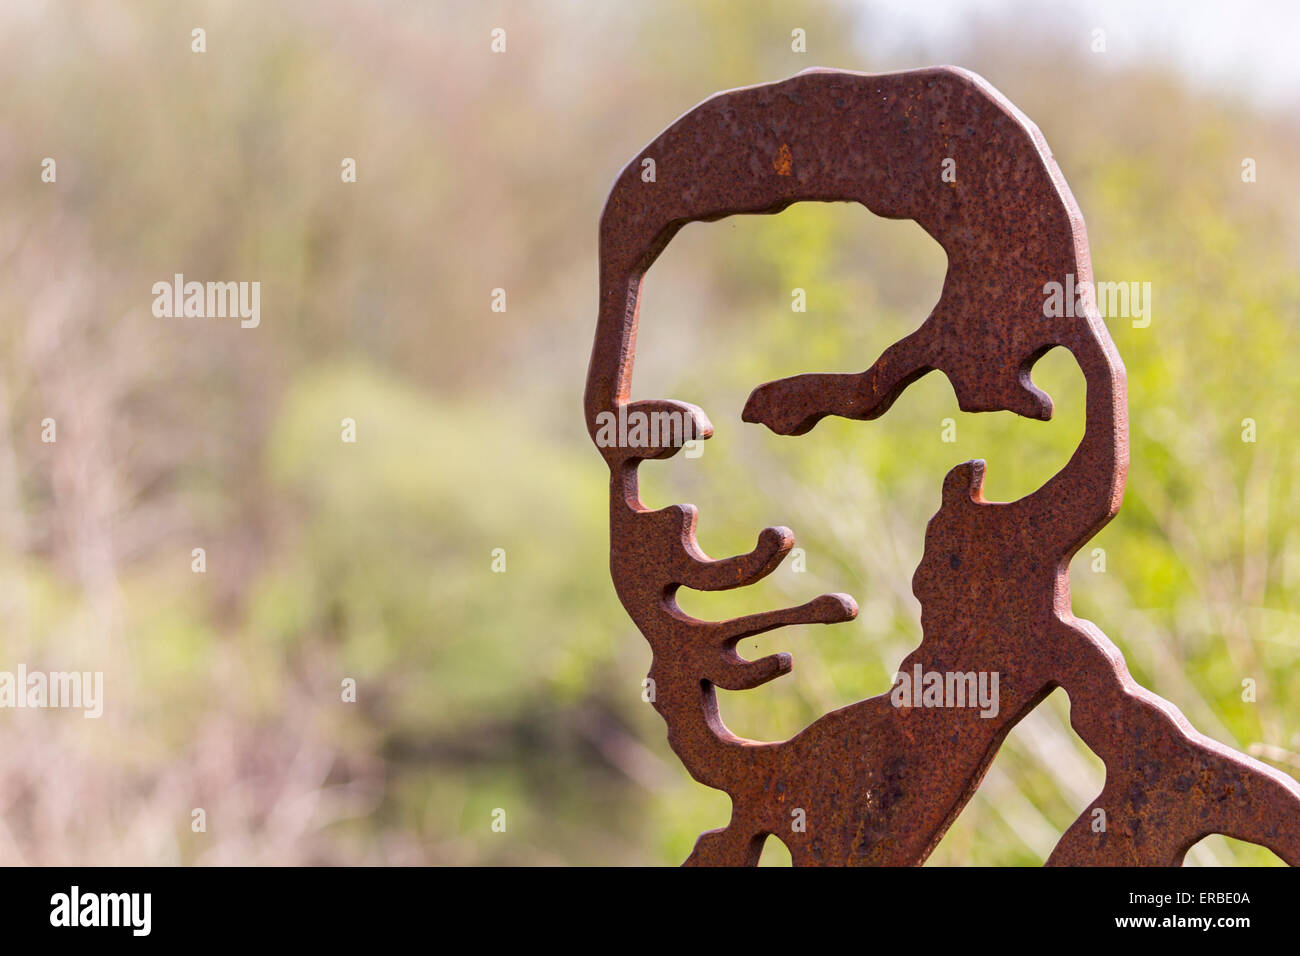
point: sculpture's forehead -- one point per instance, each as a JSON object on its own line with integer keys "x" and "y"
{"x": 937, "y": 146}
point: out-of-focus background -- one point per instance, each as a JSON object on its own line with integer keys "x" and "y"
{"x": 520, "y": 690}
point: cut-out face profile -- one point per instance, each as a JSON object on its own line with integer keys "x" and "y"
{"x": 879, "y": 781}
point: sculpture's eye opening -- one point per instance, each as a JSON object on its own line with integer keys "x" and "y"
{"x": 828, "y": 287}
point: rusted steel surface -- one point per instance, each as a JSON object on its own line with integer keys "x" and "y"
{"x": 879, "y": 783}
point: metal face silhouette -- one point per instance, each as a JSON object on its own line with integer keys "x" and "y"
{"x": 880, "y": 783}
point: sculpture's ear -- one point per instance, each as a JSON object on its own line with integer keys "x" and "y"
{"x": 965, "y": 482}
{"x": 989, "y": 385}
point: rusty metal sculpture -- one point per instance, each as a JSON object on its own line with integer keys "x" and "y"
{"x": 880, "y": 783}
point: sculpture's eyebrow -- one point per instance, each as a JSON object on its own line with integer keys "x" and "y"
{"x": 794, "y": 405}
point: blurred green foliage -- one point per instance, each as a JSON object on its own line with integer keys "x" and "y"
{"x": 373, "y": 560}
